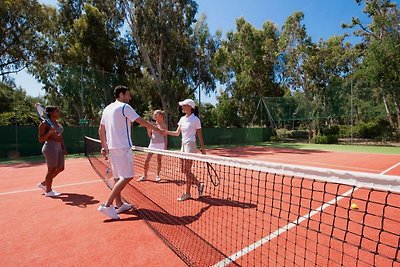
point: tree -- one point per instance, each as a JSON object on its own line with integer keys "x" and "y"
{"x": 296, "y": 49}
{"x": 207, "y": 114}
{"x": 380, "y": 52}
{"x": 174, "y": 51}
{"x": 245, "y": 62}
{"x": 90, "y": 57}
{"x": 205, "y": 46}
{"x": 227, "y": 112}
{"x": 328, "y": 68}
{"x": 22, "y": 33}
{"x": 16, "y": 107}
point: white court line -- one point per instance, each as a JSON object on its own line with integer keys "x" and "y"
{"x": 57, "y": 186}
{"x": 391, "y": 168}
{"x": 287, "y": 227}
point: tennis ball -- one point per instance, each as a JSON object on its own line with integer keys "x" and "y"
{"x": 354, "y": 206}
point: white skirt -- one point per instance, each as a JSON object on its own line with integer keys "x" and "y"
{"x": 122, "y": 164}
{"x": 156, "y": 145}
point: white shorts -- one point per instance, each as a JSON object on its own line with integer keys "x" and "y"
{"x": 122, "y": 164}
{"x": 189, "y": 147}
{"x": 157, "y": 145}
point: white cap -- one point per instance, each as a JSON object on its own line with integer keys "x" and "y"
{"x": 189, "y": 102}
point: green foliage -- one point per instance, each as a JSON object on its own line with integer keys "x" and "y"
{"x": 6, "y": 98}
{"x": 23, "y": 28}
{"x": 380, "y": 54}
{"x": 16, "y": 107}
{"x": 86, "y": 34}
{"x": 276, "y": 138}
{"x": 379, "y": 130}
{"x": 207, "y": 115}
{"x": 174, "y": 49}
{"x": 299, "y": 134}
{"x": 246, "y": 64}
{"x": 283, "y": 133}
{"x": 21, "y": 119}
{"x": 227, "y": 112}
{"x": 345, "y": 131}
{"x": 325, "y": 139}
{"x": 169, "y": 53}
{"x": 330, "y": 130}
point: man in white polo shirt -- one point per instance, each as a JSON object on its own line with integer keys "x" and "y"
{"x": 115, "y": 136}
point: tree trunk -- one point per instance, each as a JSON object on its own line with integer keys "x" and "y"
{"x": 388, "y": 114}
{"x": 165, "y": 108}
{"x": 397, "y": 106}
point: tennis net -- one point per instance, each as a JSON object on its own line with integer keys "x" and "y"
{"x": 255, "y": 213}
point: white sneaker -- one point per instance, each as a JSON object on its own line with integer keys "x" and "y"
{"x": 158, "y": 178}
{"x": 184, "y": 197}
{"x": 123, "y": 207}
{"x": 201, "y": 189}
{"x": 43, "y": 187}
{"x": 52, "y": 194}
{"x": 109, "y": 211}
{"x": 142, "y": 179}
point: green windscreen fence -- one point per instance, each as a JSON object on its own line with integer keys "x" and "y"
{"x": 22, "y": 141}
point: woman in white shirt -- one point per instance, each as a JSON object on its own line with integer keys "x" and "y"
{"x": 189, "y": 125}
{"x": 157, "y": 141}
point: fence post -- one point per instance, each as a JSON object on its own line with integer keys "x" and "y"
{"x": 16, "y": 137}
{"x": 351, "y": 111}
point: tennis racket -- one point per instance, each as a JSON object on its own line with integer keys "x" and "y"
{"x": 108, "y": 167}
{"x": 108, "y": 164}
{"x": 41, "y": 112}
{"x": 212, "y": 174}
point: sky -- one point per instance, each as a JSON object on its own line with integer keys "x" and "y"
{"x": 323, "y": 18}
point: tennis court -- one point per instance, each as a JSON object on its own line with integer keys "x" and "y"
{"x": 252, "y": 217}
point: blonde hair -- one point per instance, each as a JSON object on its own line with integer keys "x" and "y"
{"x": 160, "y": 112}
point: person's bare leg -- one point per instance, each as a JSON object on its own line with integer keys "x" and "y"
{"x": 118, "y": 198}
{"x": 116, "y": 191}
{"x": 48, "y": 180}
{"x": 189, "y": 174}
{"x": 53, "y": 174}
{"x": 158, "y": 164}
{"x": 146, "y": 164}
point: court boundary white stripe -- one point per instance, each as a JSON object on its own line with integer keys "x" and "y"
{"x": 56, "y": 186}
{"x": 287, "y": 227}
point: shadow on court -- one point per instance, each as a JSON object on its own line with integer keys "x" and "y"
{"x": 78, "y": 200}
{"x": 159, "y": 216}
{"x": 22, "y": 165}
{"x": 169, "y": 181}
{"x": 212, "y": 201}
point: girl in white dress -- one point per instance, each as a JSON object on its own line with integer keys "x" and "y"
{"x": 189, "y": 126}
{"x": 157, "y": 141}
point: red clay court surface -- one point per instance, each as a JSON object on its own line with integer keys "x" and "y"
{"x": 69, "y": 231}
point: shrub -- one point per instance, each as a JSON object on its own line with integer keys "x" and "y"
{"x": 332, "y": 130}
{"x": 275, "y": 138}
{"x": 299, "y": 134}
{"x": 345, "y": 131}
{"x": 374, "y": 130}
{"x": 396, "y": 136}
{"x": 325, "y": 139}
{"x": 282, "y": 133}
